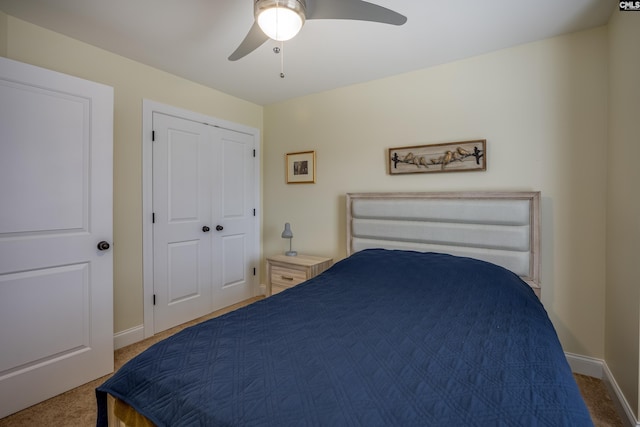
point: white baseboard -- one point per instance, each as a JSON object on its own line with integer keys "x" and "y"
{"x": 598, "y": 369}
{"x": 128, "y": 337}
{"x": 588, "y": 366}
{"x": 618, "y": 398}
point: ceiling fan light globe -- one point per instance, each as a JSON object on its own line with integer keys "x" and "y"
{"x": 280, "y": 19}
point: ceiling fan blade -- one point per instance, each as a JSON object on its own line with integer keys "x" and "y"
{"x": 254, "y": 39}
{"x": 353, "y": 9}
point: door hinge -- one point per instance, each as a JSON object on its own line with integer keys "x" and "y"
{"x": 254, "y": 271}
{"x": 154, "y": 299}
{"x": 153, "y": 218}
{"x": 254, "y": 152}
{"x": 254, "y": 212}
{"x": 153, "y": 135}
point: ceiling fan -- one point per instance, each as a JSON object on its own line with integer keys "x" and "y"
{"x": 282, "y": 19}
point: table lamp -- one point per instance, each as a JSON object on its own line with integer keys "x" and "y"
{"x": 288, "y": 234}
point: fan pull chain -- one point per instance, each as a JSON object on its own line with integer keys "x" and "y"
{"x": 282, "y": 60}
{"x": 280, "y": 50}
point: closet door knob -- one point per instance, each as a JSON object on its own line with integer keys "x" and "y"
{"x": 219, "y": 227}
{"x": 103, "y": 246}
{"x": 205, "y": 229}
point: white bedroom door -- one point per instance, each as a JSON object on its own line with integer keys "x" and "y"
{"x": 203, "y": 231}
{"x": 56, "y": 284}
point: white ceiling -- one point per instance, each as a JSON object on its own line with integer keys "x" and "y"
{"x": 193, "y": 38}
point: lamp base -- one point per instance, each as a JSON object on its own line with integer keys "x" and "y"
{"x": 291, "y": 253}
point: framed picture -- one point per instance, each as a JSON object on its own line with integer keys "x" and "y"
{"x": 448, "y": 157}
{"x": 301, "y": 167}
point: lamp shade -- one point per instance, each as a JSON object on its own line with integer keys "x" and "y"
{"x": 287, "y": 233}
{"x": 280, "y": 19}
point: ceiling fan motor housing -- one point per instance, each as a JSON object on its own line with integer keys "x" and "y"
{"x": 298, "y": 6}
{"x": 295, "y": 5}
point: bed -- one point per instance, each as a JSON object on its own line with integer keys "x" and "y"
{"x": 432, "y": 319}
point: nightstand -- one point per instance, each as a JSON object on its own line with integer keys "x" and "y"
{"x": 285, "y": 272}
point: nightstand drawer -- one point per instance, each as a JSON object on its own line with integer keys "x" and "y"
{"x": 285, "y": 272}
{"x": 286, "y": 276}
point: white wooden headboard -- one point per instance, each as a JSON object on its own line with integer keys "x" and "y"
{"x": 499, "y": 227}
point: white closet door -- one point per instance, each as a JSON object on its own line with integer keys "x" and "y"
{"x": 56, "y": 286}
{"x": 233, "y": 212}
{"x": 182, "y": 191}
{"x": 204, "y": 226}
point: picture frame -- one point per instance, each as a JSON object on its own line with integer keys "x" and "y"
{"x": 301, "y": 167}
{"x": 463, "y": 156}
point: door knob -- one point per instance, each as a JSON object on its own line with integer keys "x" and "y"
{"x": 103, "y": 246}
{"x": 219, "y": 227}
{"x": 205, "y": 229}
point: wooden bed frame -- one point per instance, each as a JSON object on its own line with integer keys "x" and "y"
{"x": 499, "y": 227}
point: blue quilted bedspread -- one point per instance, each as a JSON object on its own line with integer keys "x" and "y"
{"x": 383, "y": 338}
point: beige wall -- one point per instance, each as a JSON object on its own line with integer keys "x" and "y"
{"x": 132, "y": 83}
{"x": 623, "y": 205}
{"x": 542, "y": 108}
{"x": 3, "y": 33}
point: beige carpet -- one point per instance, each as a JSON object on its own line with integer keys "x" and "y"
{"x": 601, "y": 407}
{"x": 77, "y": 407}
